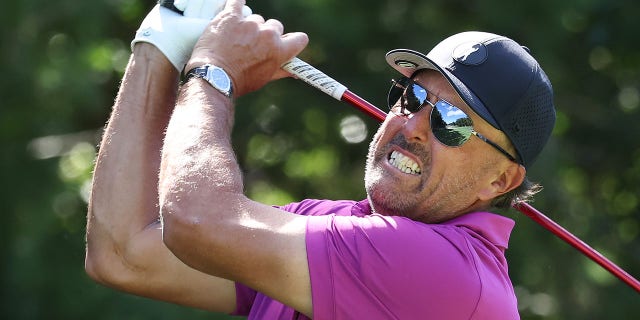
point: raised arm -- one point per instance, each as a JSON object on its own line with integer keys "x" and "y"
{"x": 124, "y": 236}
{"x": 208, "y": 222}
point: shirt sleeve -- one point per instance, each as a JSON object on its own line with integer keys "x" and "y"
{"x": 381, "y": 267}
{"x": 245, "y": 297}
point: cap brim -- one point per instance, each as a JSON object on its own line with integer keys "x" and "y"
{"x": 407, "y": 62}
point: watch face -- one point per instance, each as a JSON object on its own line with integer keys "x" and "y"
{"x": 219, "y": 79}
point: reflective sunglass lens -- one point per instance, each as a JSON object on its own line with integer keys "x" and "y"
{"x": 450, "y": 125}
{"x": 415, "y": 96}
{"x": 410, "y": 95}
{"x": 396, "y": 91}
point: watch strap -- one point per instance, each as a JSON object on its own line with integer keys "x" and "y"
{"x": 203, "y": 73}
{"x": 198, "y": 72}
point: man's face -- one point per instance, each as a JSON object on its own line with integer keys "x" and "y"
{"x": 410, "y": 173}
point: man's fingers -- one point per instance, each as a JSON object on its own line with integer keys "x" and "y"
{"x": 275, "y": 25}
{"x": 235, "y": 6}
{"x": 295, "y": 40}
{"x": 281, "y": 73}
{"x": 255, "y": 18}
{"x": 294, "y": 43}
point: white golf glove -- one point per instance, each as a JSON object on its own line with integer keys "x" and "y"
{"x": 176, "y": 34}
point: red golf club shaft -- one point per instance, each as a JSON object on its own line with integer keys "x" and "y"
{"x": 364, "y": 106}
{"x": 321, "y": 81}
{"x": 574, "y": 241}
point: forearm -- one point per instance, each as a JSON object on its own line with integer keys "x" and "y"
{"x": 200, "y": 175}
{"x": 124, "y": 195}
{"x": 197, "y": 148}
{"x": 198, "y": 157}
{"x": 208, "y": 223}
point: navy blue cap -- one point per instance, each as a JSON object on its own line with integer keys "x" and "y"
{"x": 498, "y": 79}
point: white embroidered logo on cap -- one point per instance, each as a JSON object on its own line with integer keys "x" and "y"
{"x": 406, "y": 64}
{"x": 470, "y": 53}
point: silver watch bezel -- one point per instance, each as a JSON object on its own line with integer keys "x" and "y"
{"x": 215, "y": 76}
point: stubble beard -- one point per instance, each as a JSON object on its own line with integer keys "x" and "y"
{"x": 385, "y": 191}
{"x": 428, "y": 202}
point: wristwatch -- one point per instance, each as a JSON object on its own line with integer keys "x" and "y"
{"x": 215, "y": 76}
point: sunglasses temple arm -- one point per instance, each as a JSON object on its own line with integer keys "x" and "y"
{"x": 497, "y": 147}
{"x": 319, "y": 80}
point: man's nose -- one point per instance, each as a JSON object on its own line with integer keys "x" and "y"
{"x": 417, "y": 127}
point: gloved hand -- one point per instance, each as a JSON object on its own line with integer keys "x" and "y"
{"x": 175, "y": 34}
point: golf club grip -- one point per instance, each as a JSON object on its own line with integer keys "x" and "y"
{"x": 169, "y": 5}
{"x": 328, "y": 85}
{"x": 315, "y": 78}
{"x": 297, "y": 67}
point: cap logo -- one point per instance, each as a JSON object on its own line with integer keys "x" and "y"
{"x": 471, "y": 53}
{"x": 406, "y": 64}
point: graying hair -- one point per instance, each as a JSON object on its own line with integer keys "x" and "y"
{"x": 523, "y": 193}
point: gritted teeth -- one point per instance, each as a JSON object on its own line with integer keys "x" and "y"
{"x": 404, "y": 163}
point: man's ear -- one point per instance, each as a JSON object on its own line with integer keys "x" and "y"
{"x": 510, "y": 178}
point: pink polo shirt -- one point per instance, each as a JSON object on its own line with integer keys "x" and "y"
{"x": 369, "y": 266}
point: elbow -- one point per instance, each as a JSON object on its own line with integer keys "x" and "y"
{"x": 198, "y": 237}
{"x": 178, "y": 228}
{"x": 111, "y": 271}
{"x": 101, "y": 258}
{"x": 101, "y": 274}
{"x": 107, "y": 266}
{"x": 98, "y": 270}
{"x": 92, "y": 268}
{"x": 94, "y": 260}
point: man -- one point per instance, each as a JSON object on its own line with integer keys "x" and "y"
{"x": 168, "y": 218}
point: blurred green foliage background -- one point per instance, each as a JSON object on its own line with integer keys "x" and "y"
{"x": 61, "y": 63}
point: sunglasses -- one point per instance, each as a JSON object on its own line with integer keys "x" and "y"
{"x": 449, "y": 124}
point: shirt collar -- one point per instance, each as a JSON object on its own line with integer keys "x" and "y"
{"x": 495, "y": 228}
